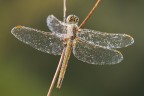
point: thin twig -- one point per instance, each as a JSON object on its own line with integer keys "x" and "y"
{"x": 64, "y": 31}
{"x": 90, "y": 13}
{"x": 64, "y": 11}
{"x": 56, "y": 73}
{"x": 62, "y": 55}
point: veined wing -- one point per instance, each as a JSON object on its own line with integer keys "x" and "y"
{"x": 94, "y": 54}
{"x": 40, "y": 40}
{"x": 107, "y": 40}
{"x": 55, "y": 25}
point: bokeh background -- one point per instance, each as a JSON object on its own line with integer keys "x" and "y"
{"x": 25, "y": 71}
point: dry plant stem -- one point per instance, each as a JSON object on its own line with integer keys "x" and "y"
{"x": 56, "y": 73}
{"x": 88, "y": 16}
{"x": 62, "y": 56}
{"x": 64, "y": 11}
{"x": 64, "y": 20}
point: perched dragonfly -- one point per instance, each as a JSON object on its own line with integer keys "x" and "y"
{"x": 87, "y": 45}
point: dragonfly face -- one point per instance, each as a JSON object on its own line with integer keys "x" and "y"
{"x": 72, "y": 19}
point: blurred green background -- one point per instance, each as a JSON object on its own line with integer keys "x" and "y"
{"x": 25, "y": 71}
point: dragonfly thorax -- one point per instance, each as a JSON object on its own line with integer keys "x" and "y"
{"x": 72, "y": 19}
{"x": 71, "y": 31}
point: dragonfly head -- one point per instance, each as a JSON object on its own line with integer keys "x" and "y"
{"x": 72, "y": 19}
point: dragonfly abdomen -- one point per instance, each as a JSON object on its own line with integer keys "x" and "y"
{"x": 64, "y": 63}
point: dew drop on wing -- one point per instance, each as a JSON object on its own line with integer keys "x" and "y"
{"x": 93, "y": 54}
{"x": 107, "y": 40}
{"x": 40, "y": 40}
{"x": 55, "y": 25}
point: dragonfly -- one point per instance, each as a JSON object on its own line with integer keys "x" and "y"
{"x": 90, "y": 46}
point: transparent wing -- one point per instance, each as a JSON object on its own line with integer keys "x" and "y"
{"x": 107, "y": 40}
{"x": 95, "y": 54}
{"x": 40, "y": 40}
{"x": 55, "y": 25}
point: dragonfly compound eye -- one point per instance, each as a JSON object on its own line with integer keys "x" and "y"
{"x": 72, "y": 19}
